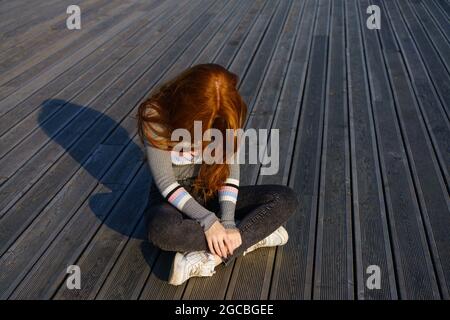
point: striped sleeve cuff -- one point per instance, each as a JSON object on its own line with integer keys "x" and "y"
{"x": 176, "y": 195}
{"x": 229, "y": 191}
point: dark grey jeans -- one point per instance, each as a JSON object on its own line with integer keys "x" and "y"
{"x": 260, "y": 210}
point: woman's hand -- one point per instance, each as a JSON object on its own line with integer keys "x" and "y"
{"x": 235, "y": 238}
{"x": 218, "y": 240}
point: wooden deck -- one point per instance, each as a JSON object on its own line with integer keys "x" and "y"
{"x": 364, "y": 119}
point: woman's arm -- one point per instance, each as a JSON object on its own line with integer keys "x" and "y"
{"x": 160, "y": 164}
{"x": 228, "y": 196}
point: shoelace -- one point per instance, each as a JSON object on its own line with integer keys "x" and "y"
{"x": 195, "y": 269}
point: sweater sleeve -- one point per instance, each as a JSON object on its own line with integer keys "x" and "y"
{"x": 160, "y": 164}
{"x": 228, "y": 194}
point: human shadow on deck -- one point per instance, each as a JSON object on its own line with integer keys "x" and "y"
{"x": 111, "y": 163}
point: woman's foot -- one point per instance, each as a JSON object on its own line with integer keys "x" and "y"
{"x": 191, "y": 264}
{"x": 277, "y": 238}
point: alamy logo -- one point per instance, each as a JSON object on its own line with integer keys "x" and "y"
{"x": 74, "y": 279}
{"x": 374, "y": 280}
{"x": 374, "y": 20}
{"x": 73, "y": 21}
{"x": 257, "y": 143}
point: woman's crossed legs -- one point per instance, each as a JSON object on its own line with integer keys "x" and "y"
{"x": 260, "y": 210}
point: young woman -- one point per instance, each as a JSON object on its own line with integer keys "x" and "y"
{"x": 197, "y": 208}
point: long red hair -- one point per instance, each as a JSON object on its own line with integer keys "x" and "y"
{"x": 206, "y": 93}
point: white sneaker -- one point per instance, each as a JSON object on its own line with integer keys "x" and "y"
{"x": 191, "y": 264}
{"x": 277, "y": 238}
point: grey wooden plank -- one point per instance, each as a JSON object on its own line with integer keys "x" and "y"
{"x": 288, "y": 281}
{"x": 251, "y": 275}
{"x": 233, "y": 45}
{"x": 37, "y": 64}
{"x": 12, "y": 16}
{"x": 40, "y": 40}
{"x": 110, "y": 239}
{"x": 262, "y": 53}
{"x": 333, "y": 266}
{"x": 228, "y": 35}
{"x": 253, "y": 77}
{"x": 438, "y": 125}
{"x": 51, "y": 61}
{"x": 127, "y": 280}
{"x": 49, "y": 26}
{"x": 249, "y": 47}
{"x": 260, "y": 64}
{"x": 172, "y": 54}
{"x": 10, "y": 278}
{"x": 408, "y": 234}
{"x": 140, "y": 59}
{"x": 11, "y": 5}
{"x": 445, "y": 7}
{"x": 305, "y": 169}
{"x": 49, "y": 272}
{"x": 436, "y": 69}
{"x": 46, "y": 64}
{"x": 257, "y": 71}
{"x": 17, "y": 19}
{"x": 371, "y": 232}
{"x": 61, "y": 208}
{"x": 38, "y": 34}
{"x": 430, "y": 188}
{"x": 440, "y": 42}
{"x": 439, "y": 17}
{"x": 25, "y": 118}
{"x": 131, "y": 270}
{"x": 8, "y": 7}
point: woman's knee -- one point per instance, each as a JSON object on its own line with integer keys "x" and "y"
{"x": 161, "y": 228}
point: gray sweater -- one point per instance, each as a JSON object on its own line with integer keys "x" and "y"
{"x": 168, "y": 167}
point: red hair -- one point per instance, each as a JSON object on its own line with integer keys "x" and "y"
{"x": 206, "y": 93}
